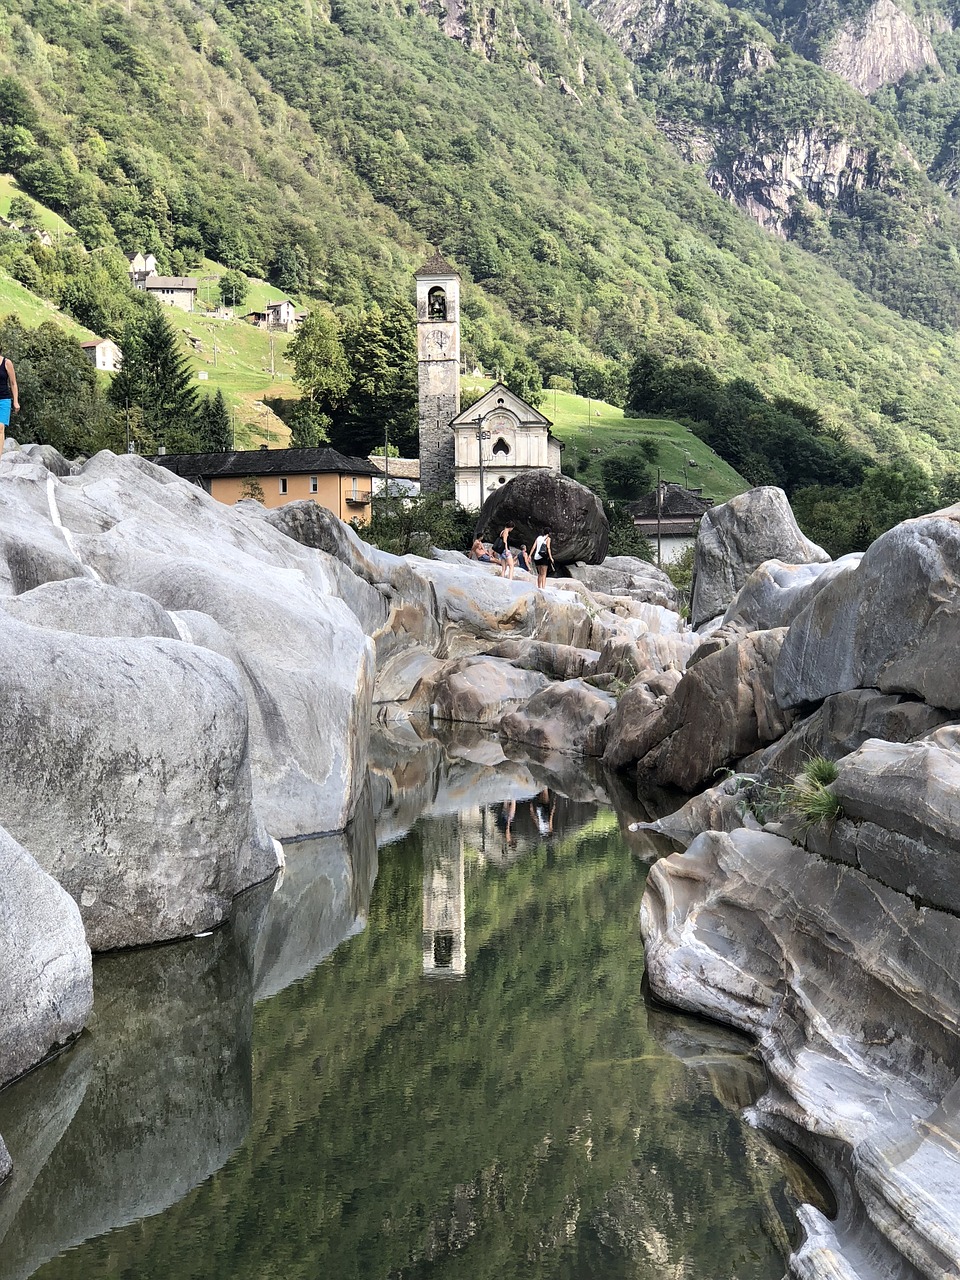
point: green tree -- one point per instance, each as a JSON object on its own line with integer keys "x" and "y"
{"x": 233, "y": 288}
{"x": 156, "y": 377}
{"x": 320, "y": 367}
{"x": 214, "y": 426}
{"x": 308, "y": 426}
{"x": 290, "y": 271}
{"x": 382, "y": 400}
{"x": 22, "y": 210}
{"x": 61, "y": 400}
{"x": 627, "y": 472}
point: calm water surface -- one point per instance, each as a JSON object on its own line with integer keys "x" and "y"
{"x": 427, "y": 1060}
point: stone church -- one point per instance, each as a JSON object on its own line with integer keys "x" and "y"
{"x": 483, "y": 447}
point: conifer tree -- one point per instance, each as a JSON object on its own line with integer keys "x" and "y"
{"x": 215, "y": 427}
{"x": 157, "y": 379}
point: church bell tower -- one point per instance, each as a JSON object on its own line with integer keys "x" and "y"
{"x": 438, "y": 370}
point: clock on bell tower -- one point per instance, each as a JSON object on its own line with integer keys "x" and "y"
{"x": 438, "y": 369}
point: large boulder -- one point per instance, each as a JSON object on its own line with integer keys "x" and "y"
{"x": 124, "y": 769}
{"x": 892, "y": 624}
{"x": 844, "y": 722}
{"x": 566, "y": 717}
{"x": 221, "y": 578}
{"x": 46, "y": 978}
{"x": 721, "y": 710}
{"x": 627, "y": 576}
{"x": 775, "y": 593}
{"x": 900, "y": 813}
{"x": 736, "y": 538}
{"x": 536, "y": 502}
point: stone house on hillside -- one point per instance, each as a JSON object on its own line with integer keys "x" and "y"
{"x": 103, "y": 354}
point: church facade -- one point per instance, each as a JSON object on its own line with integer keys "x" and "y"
{"x": 477, "y": 450}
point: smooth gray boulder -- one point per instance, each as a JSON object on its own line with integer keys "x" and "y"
{"x": 46, "y": 982}
{"x": 775, "y": 593}
{"x": 892, "y": 624}
{"x": 91, "y": 608}
{"x": 480, "y": 690}
{"x": 124, "y": 770}
{"x": 536, "y": 502}
{"x": 853, "y": 996}
{"x": 568, "y": 717}
{"x": 627, "y": 576}
{"x": 900, "y": 818}
{"x": 737, "y": 537}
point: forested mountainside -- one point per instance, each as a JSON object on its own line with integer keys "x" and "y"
{"x": 330, "y": 146}
{"x": 835, "y": 123}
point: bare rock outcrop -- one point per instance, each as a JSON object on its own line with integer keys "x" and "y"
{"x": 737, "y": 537}
{"x": 890, "y": 624}
{"x": 46, "y": 978}
{"x": 880, "y": 47}
{"x": 722, "y": 709}
{"x": 853, "y": 996}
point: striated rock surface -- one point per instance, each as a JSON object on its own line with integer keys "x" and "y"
{"x": 775, "y": 593}
{"x": 46, "y": 979}
{"x": 722, "y": 709}
{"x": 853, "y": 997}
{"x": 890, "y": 624}
{"x": 567, "y": 717}
{"x": 627, "y": 576}
{"x": 737, "y": 537}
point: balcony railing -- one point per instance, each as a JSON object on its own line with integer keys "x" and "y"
{"x": 358, "y": 499}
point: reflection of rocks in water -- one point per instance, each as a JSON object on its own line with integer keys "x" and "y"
{"x": 727, "y": 1060}
{"x": 444, "y": 904}
{"x": 323, "y": 898}
{"x": 158, "y": 1090}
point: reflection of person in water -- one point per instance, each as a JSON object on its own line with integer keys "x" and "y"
{"x": 508, "y": 811}
{"x": 543, "y": 809}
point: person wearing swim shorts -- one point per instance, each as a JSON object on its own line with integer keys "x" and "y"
{"x": 9, "y": 396}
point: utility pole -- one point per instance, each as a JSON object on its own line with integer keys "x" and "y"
{"x": 480, "y": 455}
{"x": 659, "y": 502}
{"x": 386, "y": 457}
{"x": 272, "y": 369}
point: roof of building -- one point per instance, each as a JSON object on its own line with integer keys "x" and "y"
{"x": 437, "y": 265}
{"x": 98, "y": 342}
{"x": 265, "y": 462}
{"x": 682, "y": 527}
{"x": 397, "y": 468}
{"x": 171, "y": 282}
{"x": 675, "y": 501}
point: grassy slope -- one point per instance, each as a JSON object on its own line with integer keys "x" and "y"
{"x": 587, "y": 425}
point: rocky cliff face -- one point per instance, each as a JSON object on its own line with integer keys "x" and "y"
{"x": 879, "y": 49}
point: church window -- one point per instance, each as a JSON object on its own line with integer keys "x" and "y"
{"x": 502, "y": 480}
{"x": 501, "y": 446}
{"x": 283, "y": 484}
{"x": 436, "y": 304}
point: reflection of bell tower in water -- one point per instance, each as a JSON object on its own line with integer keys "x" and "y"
{"x": 438, "y": 370}
{"x": 444, "y": 903}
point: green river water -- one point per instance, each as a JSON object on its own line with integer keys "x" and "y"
{"x": 431, "y": 1059}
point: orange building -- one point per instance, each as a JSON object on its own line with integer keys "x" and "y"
{"x": 277, "y": 476}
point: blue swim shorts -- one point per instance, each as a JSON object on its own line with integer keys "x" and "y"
{"x": 5, "y": 407}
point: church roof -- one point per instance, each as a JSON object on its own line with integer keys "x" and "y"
{"x": 437, "y": 265}
{"x": 501, "y": 397}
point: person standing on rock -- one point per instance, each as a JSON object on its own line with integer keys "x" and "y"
{"x": 542, "y": 557}
{"x": 9, "y": 396}
{"x": 502, "y": 548}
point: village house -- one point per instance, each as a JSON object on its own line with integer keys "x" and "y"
{"x": 671, "y": 513}
{"x": 277, "y": 476}
{"x": 172, "y": 291}
{"x": 398, "y": 476}
{"x": 103, "y": 354}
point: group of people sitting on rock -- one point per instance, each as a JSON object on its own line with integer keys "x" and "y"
{"x": 538, "y": 560}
